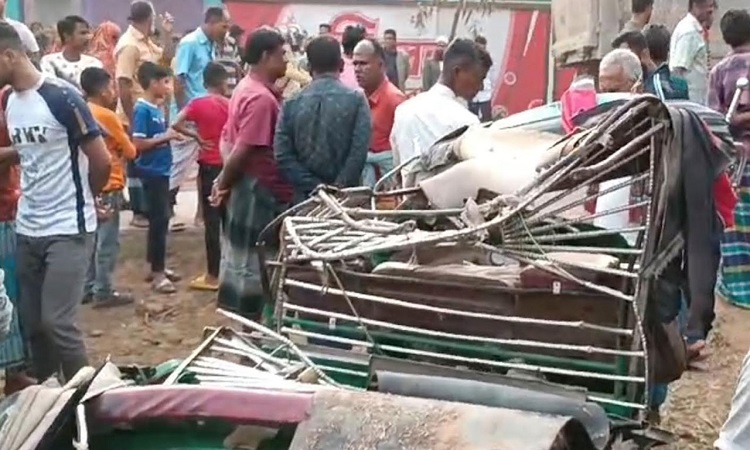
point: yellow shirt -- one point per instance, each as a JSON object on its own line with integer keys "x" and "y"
{"x": 133, "y": 49}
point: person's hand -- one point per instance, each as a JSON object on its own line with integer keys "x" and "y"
{"x": 167, "y": 22}
{"x": 174, "y": 135}
{"x": 103, "y": 212}
{"x": 202, "y": 143}
{"x": 218, "y": 196}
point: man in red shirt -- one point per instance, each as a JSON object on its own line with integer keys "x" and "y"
{"x": 250, "y": 186}
{"x": 383, "y": 97}
{"x": 209, "y": 114}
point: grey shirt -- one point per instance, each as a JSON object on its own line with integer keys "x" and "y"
{"x": 391, "y": 67}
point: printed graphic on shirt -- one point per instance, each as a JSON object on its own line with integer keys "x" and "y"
{"x": 47, "y": 125}
{"x": 56, "y": 65}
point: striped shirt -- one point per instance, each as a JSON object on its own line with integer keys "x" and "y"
{"x": 47, "y": 124}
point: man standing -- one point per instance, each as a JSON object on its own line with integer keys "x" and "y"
{"x": 228, "y": 55}
{"x": 68, "y": 64}
{"x": 420, "y": 121}
{"x": 688, "y": 50}
{"x": 258, "y": 191}
{"x": 396, "y": 61}
{"x": 27, "y": 37}
{"x": 432, "y": 67}
{"x": 323, "y": 134}
{"x": 195, "y": 51}
{"x": 64, "y": 165}
{"x": 135, "y": 47}
{"x": 384, "y": 97}
{"x": 324, "y": 29}
{"x": 641, "y": 15}
{"x": 659, "y": 80}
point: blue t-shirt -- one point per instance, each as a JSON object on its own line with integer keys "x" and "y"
{"x": 149, "y": 122}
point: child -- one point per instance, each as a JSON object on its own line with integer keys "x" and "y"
{"x": 152, "y": 140}
{"x": 209, "y": 114}
{"x": 98, "y": 86}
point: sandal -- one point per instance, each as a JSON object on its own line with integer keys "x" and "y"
{"x": 164, "y": 286}
{"x": 177, "y": 227}
{"x": 200, "y": 284}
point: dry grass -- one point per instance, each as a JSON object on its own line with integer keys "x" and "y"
{"x": 699, "y": 402}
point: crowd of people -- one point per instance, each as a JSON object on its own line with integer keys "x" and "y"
{"x": 104, "y": 119}
{"x": 109, "y": 118}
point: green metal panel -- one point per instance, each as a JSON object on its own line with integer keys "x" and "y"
{"x": 14, "y": 9}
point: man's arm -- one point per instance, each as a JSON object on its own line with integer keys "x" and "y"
{"x": 351, "y": 173}
{"x": 8, "y": 155}
{"x": 685, "y": 50}
{"x": 140, "y": 129}
{"x": 186, "y": 114}
{"x": 286, "y": 156}
{"x": 125, "y": 72}
{"x": 716, "y": 92}
{"x": 183, "y": 61}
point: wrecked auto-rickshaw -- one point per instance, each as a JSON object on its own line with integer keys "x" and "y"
{"x": 491, "y": 308}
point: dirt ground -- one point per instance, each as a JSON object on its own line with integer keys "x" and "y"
{"x": 159, "y": 328}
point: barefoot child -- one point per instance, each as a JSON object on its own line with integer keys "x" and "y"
{"x": 209, "y": 114}
{"x": 98, "y": 86}
{"x": 152, "y": 140}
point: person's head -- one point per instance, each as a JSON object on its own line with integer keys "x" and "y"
{"x": 440, "y": 44}
{"x": 481, "y": 41}
{"x": 98, "y": 86}
{"x": 643, "y": 8}
{"x": 36, "y": 27}
{"x": 390, "y": 40}
{"x": 735, "y": 27}
{"x": 369, "y": 64}
{"x": 264, "y": 51}
{"x": 216, "y": 23}
{"x": 620, "y": 71}
{"x": 463, "y": 68}
{"x": 236, "y": 32}
{"x": 324, "y": 56}
{"x": 154, "y": 79}
{"x": 657, "y": 38}
{"x": 142, "y": 16}
{"x": 351, "y": 37}
{"x": 703, "y": 10}
{"x": 12, "y": 54}
{"x": 216, "y": 79}
{"x": 74, "y": 32}
{"x": 324, "y": 28}
{"x": 107, "y": 32}
{"x": 635, "y": 41}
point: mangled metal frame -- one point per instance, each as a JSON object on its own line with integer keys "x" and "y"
{"x": 336, "y": 226}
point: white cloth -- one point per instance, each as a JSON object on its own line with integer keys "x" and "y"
{"x": 6, "y": 308}
{"x": 46, "y": 124}
{"x": 420, "y": 121}
{"x": 617, "y": 199}
{"x": 56, "y": 65}
{"x": 735, "y": 434}
{"x": 27, "y": 37}
{"x": 485, "y": 95}
{"x": 688, "y": 50}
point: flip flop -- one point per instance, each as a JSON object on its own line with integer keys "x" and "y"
{"x": 200, "y": 284}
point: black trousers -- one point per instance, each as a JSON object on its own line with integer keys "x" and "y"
{"x": 156, "y": 190}
{"x": 211, "y": 218}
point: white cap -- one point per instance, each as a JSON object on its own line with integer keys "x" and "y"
{"x": 441, "y": 40}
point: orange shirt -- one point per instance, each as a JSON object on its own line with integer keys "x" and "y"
{"x": 118, "y": 144}
{"x": 383, "y": 102}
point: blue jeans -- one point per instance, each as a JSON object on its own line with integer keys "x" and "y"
{"x": 106, "y": 250}
{"x": 376, "y": 165}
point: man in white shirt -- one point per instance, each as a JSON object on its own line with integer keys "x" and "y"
{"x": 420, "y": 121}
{"x": 64, "y": 165}
{"x": 68, "y": 64}
{"x": 27, "y": 37}
{"x": 688, "y": 49}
